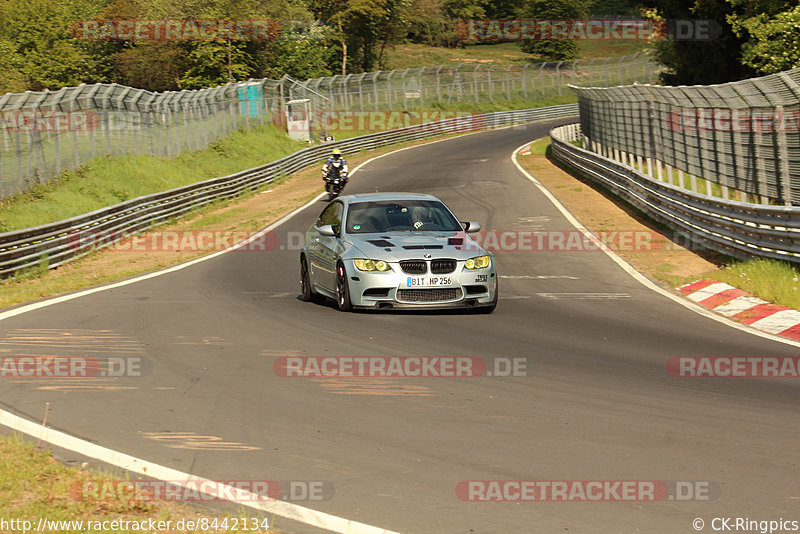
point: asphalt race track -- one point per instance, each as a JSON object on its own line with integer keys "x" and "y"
{"x": 596, "y": 404}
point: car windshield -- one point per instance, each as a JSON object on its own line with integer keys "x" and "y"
{"x": 400, "y": 216}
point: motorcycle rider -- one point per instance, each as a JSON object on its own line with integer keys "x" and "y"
{"x": 336, "y": 155}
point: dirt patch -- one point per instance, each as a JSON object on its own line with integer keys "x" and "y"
{"x": 658, "y": 256}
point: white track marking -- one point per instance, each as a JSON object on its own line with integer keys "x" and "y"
{"x": 709, "y": 291}
{"x": 636, "y": 274}
{"x": 738, "y": 305}
{"x": 778, "y": 321}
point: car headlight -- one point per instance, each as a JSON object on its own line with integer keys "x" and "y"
{"x": 479, "y": 262}
{"x": 372, "y": 265}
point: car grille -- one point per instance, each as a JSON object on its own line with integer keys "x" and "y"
{"x": 429, "y": 295}
{"x": 414, "y": 266}
{"x": 443, "y": 266}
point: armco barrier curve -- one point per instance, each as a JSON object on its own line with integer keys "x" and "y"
{"x": 738, "y": 229}
{"x": 59, "y": 242}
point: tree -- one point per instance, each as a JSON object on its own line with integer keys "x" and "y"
{"x": 39, "y": 48}
{"x": 555, "y": 50}
{"x": 362, "y": 29}
{"x": 301, "y": 53}
{"x": 733, "y": 55}
{"x": 774, "y": 42}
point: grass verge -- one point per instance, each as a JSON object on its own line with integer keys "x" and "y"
{"x": 664, "y": 260}
{"x": 108, "y": 180}
{"x": 34, "y": 485}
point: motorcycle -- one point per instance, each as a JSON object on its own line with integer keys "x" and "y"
{"x": 335, "y": 179}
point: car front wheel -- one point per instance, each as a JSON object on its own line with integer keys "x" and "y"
{"x": 306, "y": 293}
{"x": 342, "y": 289}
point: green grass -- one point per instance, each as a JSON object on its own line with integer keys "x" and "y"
{"x": 108, "y": 180}
{"x": 540, "y": 146}
{"x": 772, "y": 280}
{"x": 33, "y": 484}
{"x": 596, "y": 49}
{"x": 410, "y": 55}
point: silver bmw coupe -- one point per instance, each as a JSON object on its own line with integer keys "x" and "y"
{"x": 396, "y": 250}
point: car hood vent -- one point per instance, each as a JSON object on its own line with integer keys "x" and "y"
{"x": 423, "y": 247}
{"x": 381, "y": 243}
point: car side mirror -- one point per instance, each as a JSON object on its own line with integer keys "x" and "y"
{"x": 326, "y": 230}
{"x": 471, "y": 226}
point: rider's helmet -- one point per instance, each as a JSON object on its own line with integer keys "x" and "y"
{"x": 336, "y": 154}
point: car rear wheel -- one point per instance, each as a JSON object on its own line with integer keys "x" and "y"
{"x": 342, "y": 289}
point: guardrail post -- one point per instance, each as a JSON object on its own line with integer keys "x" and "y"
{"x": 783, "y": 159}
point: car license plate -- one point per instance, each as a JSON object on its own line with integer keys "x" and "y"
{"x": 429, "y": 281}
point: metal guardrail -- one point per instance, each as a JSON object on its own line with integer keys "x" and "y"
{"x": 738, "y": 229}
{"x": 57, "y": 243}
{"x": 741, "y": 135}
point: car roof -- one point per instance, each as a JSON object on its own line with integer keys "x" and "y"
{"x": 367, "y": 197}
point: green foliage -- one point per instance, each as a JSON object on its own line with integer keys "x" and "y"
{"x": 758, "y": 37}
{"x": 433, "y": 22}
{"x": 301, "y": 53}
{"x": 553, "y": 50}
{"x": 37, "y": 46}
{"x": 216, "y": 62}
{"x": 774, "y": 43}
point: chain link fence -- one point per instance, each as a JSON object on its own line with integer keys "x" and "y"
{"x": 43, "y": 133}
{"x": 738, "y": 141}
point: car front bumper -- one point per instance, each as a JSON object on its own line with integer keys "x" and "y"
{"x": 393, "y": 289}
